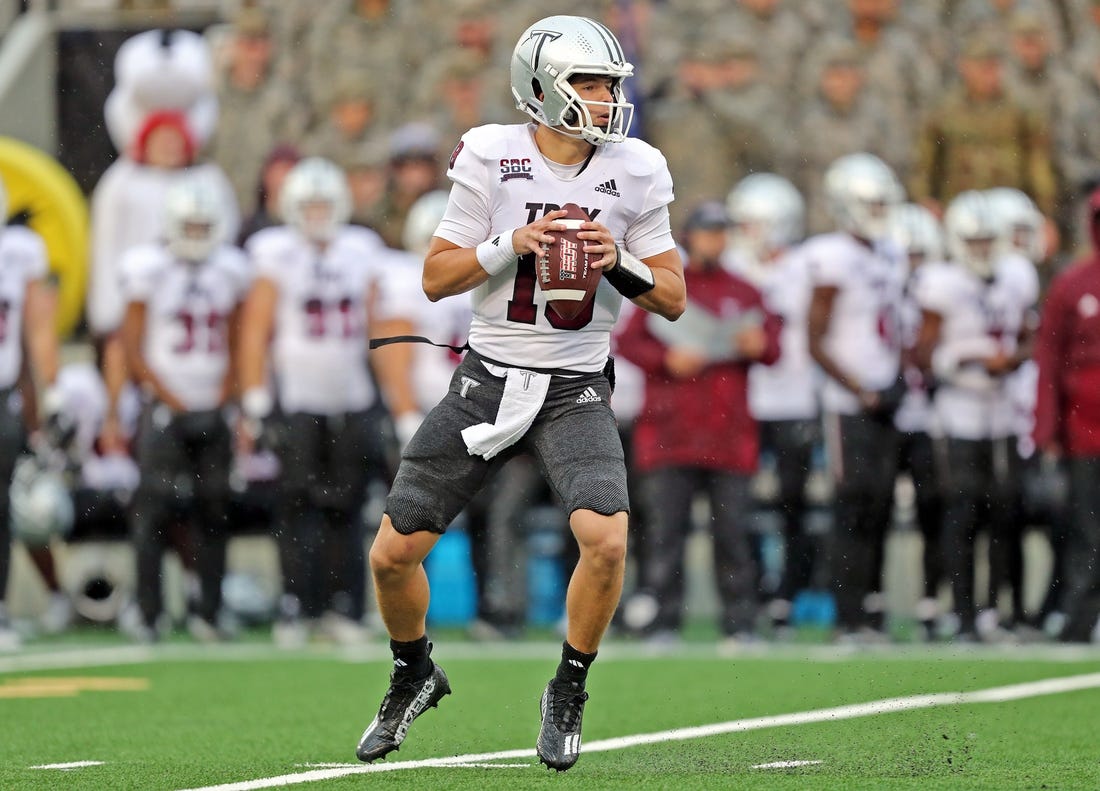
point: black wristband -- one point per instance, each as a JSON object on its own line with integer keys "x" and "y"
{"x": 630, "y": 277}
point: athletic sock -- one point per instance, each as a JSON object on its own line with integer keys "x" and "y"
{"x": 412, "y": 658}
{"x": 574, "y": 664}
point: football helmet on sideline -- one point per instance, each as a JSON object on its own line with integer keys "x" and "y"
{"x": 195, "y": 214}
{"x": 973, "y": 233}
{"x": 41, "y": 504}
{"x": 861, "y": 191}
{"x": 767, "y": 213}
{"x": 548, "y": 55}
{"x": 917, "y": 232}
{"x": 316, "y": 199}
{"x": 1023, "y": 222}
{"x": 422, "y": 220}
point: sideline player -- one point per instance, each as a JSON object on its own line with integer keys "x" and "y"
{"x": 567, "y": 74}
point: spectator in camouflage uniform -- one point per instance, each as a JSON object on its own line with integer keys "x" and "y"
{"x": 721, "y": 122}
{"x": 414, "y": 170}
{"x": 351, "y": 119}
{"x": 994, "y": 18}
{"x": 781, "y": 33}
{"x": 365, "y": 37}
{"x": 978, "y": 137}
{"x": 841, "y": 118}
{"x": 256, "y": 109}
{"x": 902, "y": 76}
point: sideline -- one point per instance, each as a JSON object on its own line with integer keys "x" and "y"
{"x": 1031, "y": 689}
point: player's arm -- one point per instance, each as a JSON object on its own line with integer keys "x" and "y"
{"x": 38, "y": 328}
{"x": 133, "y": 333}
{"x": 230, "y": 384}
{"x": 928, "y": 338}
{"x": 450, "y": 269}
{"x": 820, "y": 317}
{"x": 257, "y": 321}
{"x": 393, "y": 363}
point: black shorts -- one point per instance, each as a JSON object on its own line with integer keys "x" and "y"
{"x": 185, "y": 455}
{"x": 574, "y": 438}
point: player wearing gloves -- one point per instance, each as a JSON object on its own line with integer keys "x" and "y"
{"x": 182, "y": 301}
{"x": 307, "y": 319}
{"x": 532, "y": 380}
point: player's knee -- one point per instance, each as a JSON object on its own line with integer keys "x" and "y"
{"x": 394, "y": 554}
{"x": 602, "y": 539}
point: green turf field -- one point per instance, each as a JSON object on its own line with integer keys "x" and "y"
{"x": 183, "y": 716}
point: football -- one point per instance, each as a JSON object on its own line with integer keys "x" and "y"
{"x": 564, "y": 270}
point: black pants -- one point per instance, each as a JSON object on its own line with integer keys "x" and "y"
{"x": 863, "y": 456}
{"x": 1082, "y": 583}
{"x": 668, "y": 493}
{"x": 792, "y": 444}
{"x": 327, "y": 462}
{"x": 12, "y": 437}
{"x": 184, "y": 461}
{"x": 916, "y": 456}
{"x": 980, "y": 480}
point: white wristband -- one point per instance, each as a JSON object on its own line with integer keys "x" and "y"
{"x": 496, "y": 253}
{"x": 256, "y": 403}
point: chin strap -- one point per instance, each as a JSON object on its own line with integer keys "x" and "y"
{"x": 630, "y": 277}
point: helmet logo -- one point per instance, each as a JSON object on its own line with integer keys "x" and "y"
{"x": 540, "y": 37}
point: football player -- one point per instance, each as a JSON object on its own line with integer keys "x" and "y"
{"x": 183, "y": 299}
{"x": 767, "y": 213}
{"x": 975, "y": 331}
{"x": 853, "y": 327}
{"x": 307, "y": 318}
{"x": 532, "y": 381}
{"x": 919, "y": 235}
{"x": 26, "y": 323}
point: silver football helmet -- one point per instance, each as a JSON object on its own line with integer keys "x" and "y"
{"x": 861, "y": 191}
{"x": 315, "y": 199}
{"x": 917, "y": 231}
{"x": 973, "y": 233}
{"x": 195, "y": 214}
{"x": 1023, "y": 222}
{"x": 41, "y": 505}
{"x": 422, "y": 220}
{"x": 767, "y": 214}
{"x": 556, "y": 49}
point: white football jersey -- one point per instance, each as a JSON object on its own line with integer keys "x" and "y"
{"x": 864, "y": 335}
{"x": 319, "y": 348}
{"x": 187, "y": 311}
{"x": 978, "y": 319}
{"x": 505, "y": 183}
{"x": 22, "y": 260}
{"x": 401, "y": 296}
{"x": 915, "y": 413}
{"x": 786, "y": 389}
{"x": 128, "y": 210}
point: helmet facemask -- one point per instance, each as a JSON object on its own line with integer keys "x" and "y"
{"x": 574, "y": 114}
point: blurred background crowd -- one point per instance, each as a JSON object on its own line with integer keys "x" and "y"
{"x": 986, "y": 106}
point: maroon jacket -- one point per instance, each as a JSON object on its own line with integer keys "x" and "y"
{"x": 1067, "y": 350}
{"x": 703, "y": 421}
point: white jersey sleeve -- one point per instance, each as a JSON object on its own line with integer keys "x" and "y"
{"x": 140, "y": 269}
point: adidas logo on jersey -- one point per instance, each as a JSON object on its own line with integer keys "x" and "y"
{"x": 609, "y": 188}
{"x": 589, "y": 396}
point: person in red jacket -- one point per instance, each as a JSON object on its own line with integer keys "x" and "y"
{"x": 695, "y": 433}
{"x": 1067, "y": 421}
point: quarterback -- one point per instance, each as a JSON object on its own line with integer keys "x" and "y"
{"x": 532, "y": 381}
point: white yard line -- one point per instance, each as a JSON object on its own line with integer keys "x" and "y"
{"x": 786, "y": 764}
{"x": 993, "y": 695}
{"x": 69, "y": 766}
{"x": 70, "y": 657}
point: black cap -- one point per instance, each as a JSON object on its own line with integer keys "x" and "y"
{"x": 707, "y": 216}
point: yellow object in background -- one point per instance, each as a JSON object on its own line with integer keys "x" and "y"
{"x": 41, "y": 189}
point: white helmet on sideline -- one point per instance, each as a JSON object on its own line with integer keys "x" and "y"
{"x": 861, "y": 191}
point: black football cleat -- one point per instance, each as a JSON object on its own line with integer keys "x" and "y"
{"x": 405, "y": 700}
{"x": 562, "y": 706}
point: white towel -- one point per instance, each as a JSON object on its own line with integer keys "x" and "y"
{"x": 524, "y": 393}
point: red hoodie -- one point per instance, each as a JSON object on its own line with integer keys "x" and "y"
{"x": 1067, "y": 350}
{"x": 703, "y": 421}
